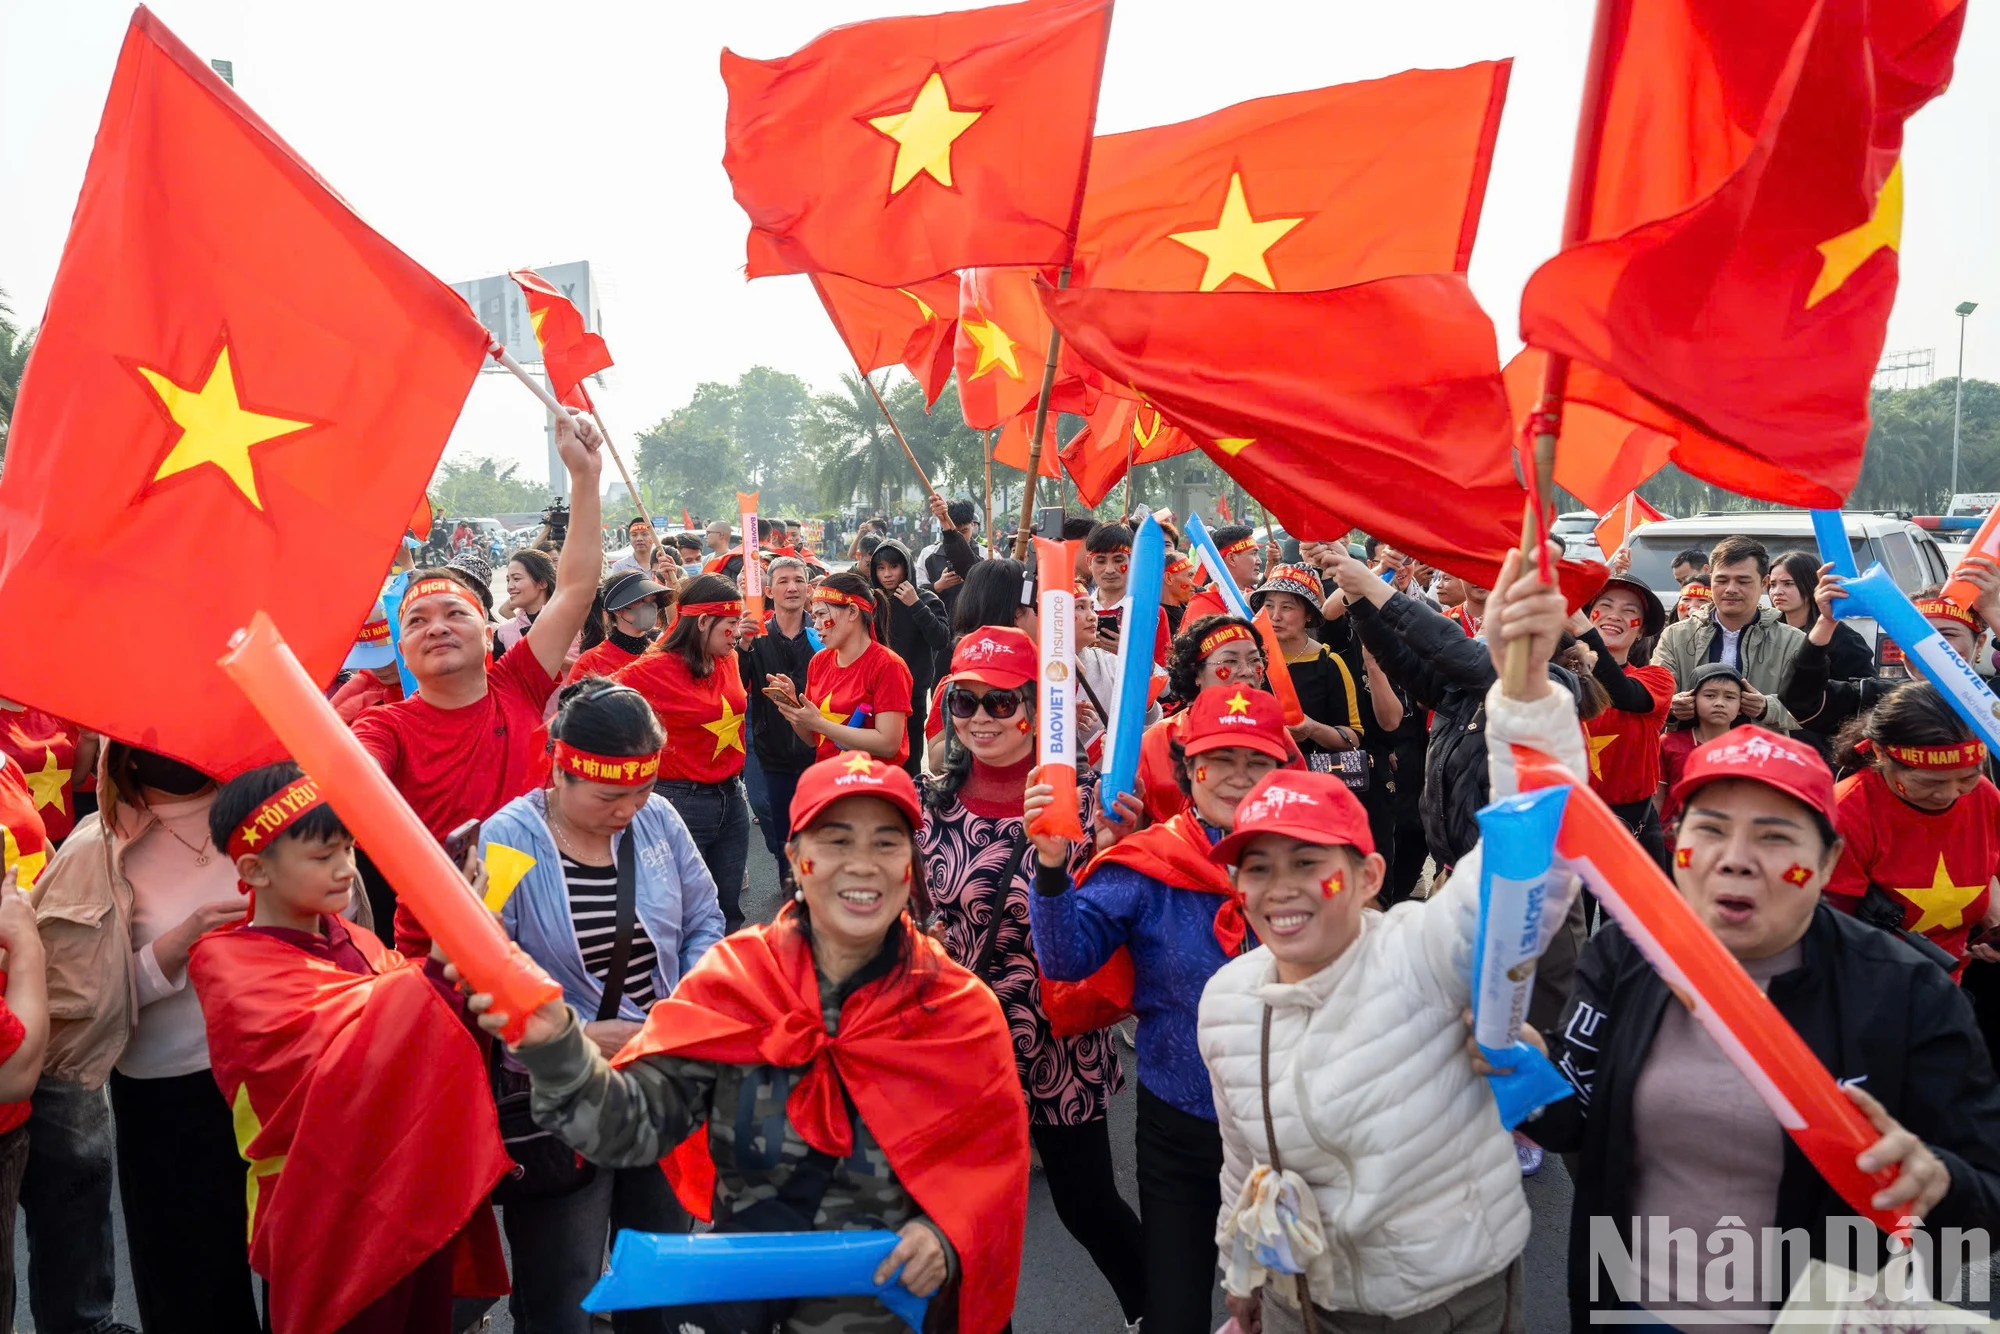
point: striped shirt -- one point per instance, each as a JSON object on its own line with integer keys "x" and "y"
{"x": 593, "y": 911}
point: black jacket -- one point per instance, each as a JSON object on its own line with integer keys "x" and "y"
{"x": 1428, "y": 657}
{"x": 918, "y": 634}
{"x": 953, "y": 553}
{"x": 779, "y": 748}
{"x": 1868, "y": 1005}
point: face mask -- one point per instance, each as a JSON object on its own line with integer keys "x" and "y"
{"x": 643, "y": 617}
{"x": 165, "y": 775}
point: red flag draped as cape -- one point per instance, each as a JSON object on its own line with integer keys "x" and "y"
{"x": 1176, "y": 853}
{"x": 363, "y": 1111}
{"x": 923, "y": 1054}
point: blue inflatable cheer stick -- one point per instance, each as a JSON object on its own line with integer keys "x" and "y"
{"x": 662, "y": 1269}
{"x": 1517, "y": 847}
{"x": 1127, "y": 723}
{"x": 1218, "y": 573}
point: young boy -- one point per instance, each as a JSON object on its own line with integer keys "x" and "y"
{"x": 360, "y": 1096}
{"x": 1718, "y": 695}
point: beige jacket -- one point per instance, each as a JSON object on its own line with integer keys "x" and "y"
{"x": 83, "y": 907}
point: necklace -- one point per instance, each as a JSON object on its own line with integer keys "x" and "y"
{"x": 201, "y": 857}
{"x": 562, "y": 842}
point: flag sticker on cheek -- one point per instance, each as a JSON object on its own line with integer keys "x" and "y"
{"x": 1683, "y": 857}
{"x": 1333, "y": 884}
{"x": 1023, "y": 726}
{"x": 1201, "y": 773}
{"x": 1797, "y": 874}
{"x": 1222, "y": 673}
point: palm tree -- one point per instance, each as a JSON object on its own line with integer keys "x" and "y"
{"x": 856, "y": 449}
{"x": 15, "y": 344}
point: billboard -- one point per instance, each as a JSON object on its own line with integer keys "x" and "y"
{"x": 498, "y": 304}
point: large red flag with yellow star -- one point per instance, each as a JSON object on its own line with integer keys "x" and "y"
{"x": 1736, "y": 298}
{"x": 235, "y": 376}
{"x": 1297, "y": 192}
{"x": 904, "y": 148}
{"x": 1121, "y": 430}
{"x": 911, "y": 326}
{"x": 570, "y": 352}
{"x": 1001, "y": 350}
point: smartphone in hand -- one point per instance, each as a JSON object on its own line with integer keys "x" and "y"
{"x": 460, "y": 841}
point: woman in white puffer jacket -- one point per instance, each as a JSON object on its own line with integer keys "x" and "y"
{"x": 1402, "y": 1190}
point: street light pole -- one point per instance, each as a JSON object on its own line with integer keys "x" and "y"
{"x": 1964, "y": 309}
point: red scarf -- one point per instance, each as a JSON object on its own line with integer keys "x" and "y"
{"x": 924, "y": 1054}
{"x": 1175, "y": 852}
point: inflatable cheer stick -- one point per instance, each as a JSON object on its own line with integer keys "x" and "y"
{"x": 382, "y": 822}
{"x": 1127, "y": 723}
{"x": 1278, "y": 672}
{"x": 1985, "y": 542}
{"x": 1875, "y": 594}
{"x": 674, "y": 1269}
{"x": 753, "y": 569}
{"x": 1218, "y": 573}
{"x": 1517, "y": 838}
{"x": 1055, "y": 753}
{"x": 1705, "y": 977}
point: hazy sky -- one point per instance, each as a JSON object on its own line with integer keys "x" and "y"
{"x": 484, "y": 137}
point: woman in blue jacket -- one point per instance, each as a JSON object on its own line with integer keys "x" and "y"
{"x": 563, "y": 846}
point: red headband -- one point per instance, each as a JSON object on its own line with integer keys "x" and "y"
{"x": 373, "y": 632}
{"x": 1962, "y": 756}
{"x": 274, "y": 817}
{"x": 618, "y": 770}
{"x": 424, "y": 588}
{"x": 1946, "y": 609}
{"x": 1696, "y": 591}
{"x": 1124, "y": 549}
{"x": 1245, "y": 544}
{"x": 734, "y": 607}
{"x": 839, "y": 599}
{"x": 1228, "y": 634}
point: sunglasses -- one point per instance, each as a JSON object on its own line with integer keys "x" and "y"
{"x": 999, "y": 704}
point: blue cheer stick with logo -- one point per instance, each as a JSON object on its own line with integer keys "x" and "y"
{"x": 1127, "y": 723}
{"x": 674, "y": 1269}
{"x": 1218, "y": 573}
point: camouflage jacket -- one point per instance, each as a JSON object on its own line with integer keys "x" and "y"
{"x": 768, "y": 1179}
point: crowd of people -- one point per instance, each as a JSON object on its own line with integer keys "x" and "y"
{"x": 1280, "y": 923}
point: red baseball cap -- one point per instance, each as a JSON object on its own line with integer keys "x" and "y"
{"x": 998, "y": 656}
{"x": 1759, "y": 756}
{"x": 855, "y": 774}
{"x": 1311, "y": 807}
{"x": 1236, "y": 715}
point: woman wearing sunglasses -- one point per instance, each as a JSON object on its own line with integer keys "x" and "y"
{"x": 979, "y": 867}
{"x": 1157, "y": 894}
{"x": 857, "y": 690}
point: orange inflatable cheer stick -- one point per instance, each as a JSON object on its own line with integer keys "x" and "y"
{"x": 1985, "y": 542}
{"x": 1705, "y": 977}
{"x": 753, "y": 569}
{"x": 382, "y": 822}
{"x": 1278, "y": 671}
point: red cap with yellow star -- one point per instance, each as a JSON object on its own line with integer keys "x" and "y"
{"x": 1234, "y": 715}
{"x": 855, "y": 774}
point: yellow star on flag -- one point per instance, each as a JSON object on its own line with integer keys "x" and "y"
{"x": 1234, "y": 446}
{"x": 995, "y": 348}
{"x": 1597, "y": 745}
{"x": 924, "y": 134}
{"x": 858, "y": 762}
{"x": 922, "y": 305}
{"x": 1239, "y": 704}
{"x": 248, "y": 1127}
{"x": 215, "y": 426}
{"x": 1845, "y": 253}
{"x": 48, "y": 782}
{"x": 1943, "y": 903}
{"x": 727, "y": 729}
{"x": 826, "y": 709}
{"x": 1236, "y": 244}
{"x": 26, "y": 868}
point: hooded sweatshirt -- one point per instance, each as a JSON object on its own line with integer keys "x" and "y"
{"x": 919, "y": 634}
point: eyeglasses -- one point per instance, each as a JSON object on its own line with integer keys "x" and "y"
{"x": 999, "y": 704}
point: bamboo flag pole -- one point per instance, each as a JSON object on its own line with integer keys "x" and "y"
{"x": 1546, "y": 421}
{"x": 1128, "y": 470}
{"x": 897, "y": 430}
{"x": 986, "y": 523}
{"x": 1026, "y": 534}
{"x": 500, "y": 354}
{"x": 619, "y": 459}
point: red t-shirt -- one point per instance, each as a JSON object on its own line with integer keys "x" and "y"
{"x": 1205, "y": 602}
{"x": 454, "y": 765}
{"x": 603, "y": 660}
{"x": 704, "y": 718}
{"x": 1937, "y": 865}
{"x": 1624, "y": 747}
{"x": 1675, "y": 747}
{"x": 12, "y": 1034}
{"x": 1158, "y": 791}
{"x": 44, "y": 746}
{"x": 362, "y": 692}
{"x": 24, "y": 843}
{"x": 875, "y": 683}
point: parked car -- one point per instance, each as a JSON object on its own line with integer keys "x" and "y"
{"x": 1576, "y": 529}
{"x": 1907, "y": 552}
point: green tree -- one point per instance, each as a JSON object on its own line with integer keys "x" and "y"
{"x": 769, "y": 426}
{"x": 479, "y": 487}
{"x": 15, "y": 344}
{"x": 686, "y": 460}
{"x": 856, "y": 450}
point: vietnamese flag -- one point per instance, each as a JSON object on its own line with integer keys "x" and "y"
{"x": 570, "y": 352}
{"x": 1603, "y": 456}
{"x": 1738, "y": 302}
{"x": 235, "y": 375}
{"x": 904, "y": 148}
{"x": 1297, "y": 192}
{"x": 1376, "y": 406}
{"x": 1629, "y": 515}
{"x": 1001, "y": 351}
{"x": 1119, "y": 427}
{"x": 912, "y": 326}
{"x": 1010, "y": 447}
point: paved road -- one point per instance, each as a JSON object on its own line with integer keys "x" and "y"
{"x": 1061, "y": 1292}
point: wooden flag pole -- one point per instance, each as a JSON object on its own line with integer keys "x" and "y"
{"x": 1546, "y": 422}
{"x": 895, "y": 429}
{"x": 986, "y": 523}
{"x": 1128, "y": 471}
{"x": 500, "y": 354}
{"x": 619, "y": 459}
{"x": 1027, "y": 533}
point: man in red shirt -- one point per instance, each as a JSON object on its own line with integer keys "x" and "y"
{"x": 1239, "y": 556}
{"x": 465, "y": 744}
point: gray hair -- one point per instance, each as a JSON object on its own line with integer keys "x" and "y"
{"x": 790, "y": 563}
